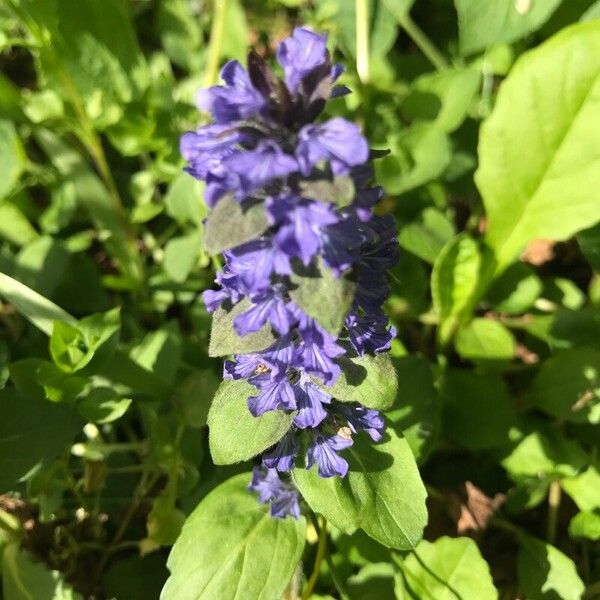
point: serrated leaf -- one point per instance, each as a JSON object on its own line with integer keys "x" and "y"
{"x": 369, "y": 379}
{"x": 234, "y": 435}
{"x": 243, "y": 548}
{"x": 224, "y": 340}
{"x": 382, "y": 494}
{"x": 549, "y": 98}
{"x": 229, "y": 224}
{"x": 322, "y": 295}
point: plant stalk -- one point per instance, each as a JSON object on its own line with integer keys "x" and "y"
{"x": 217, "y": 30}
{"x": 554, "y": 497}
{"x": 321, "y": 549}
{"x": 362, "y": 39}
{"x": 426, "y": 46}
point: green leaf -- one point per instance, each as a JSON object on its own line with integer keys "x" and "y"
{"x": 419, "y": 155}
{"x": 427, "y": 234}
{"x": 485, "y": 340}
{"x": 165, "y": 521}
{"x": 373, "y": 582}
{"x": 478, "y": 411}
{"x": 550, "y": 99}
{"x": 12, "y": 157}
{"x": 485, "y": 23}
{"x": 103, "y": 405}
{"x": 369, "y": 379}
{"x": 592, "y": 13}
{"x": 229, "y": 224}
{"x": 181, "y": 255}
{"x": 31, "y": 430}
{"x": 515, "y": 290}
{"x": 193, "y": 395}
{"x": 180, "y": 33}
{"x": 243, "y": 548}
{"x": 454, "y": 281}
{"x": 14, "y": 225}
{"x": 567, "y": 385}
{"x": 584, "y": 489}
{"x": 544, "y": 454}
{"x": 183, "y": 201}
{"x": 234, "y": 435}
{"x": 26, "y": 579}
{"x": 589, "y": 242}
{"x": 545, "y": 573}
{"x": 447, "y": 569}
{"x": 235, "y": 43}
{"x": 417, "y": 411}
{"x": 224, "y": 340}
{"x": 585, "y": 525}
{"x": 322, "y": 295}
{"x": 382, "y": 494}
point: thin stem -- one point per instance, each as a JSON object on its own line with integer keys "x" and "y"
{"x": 426, "y": 46}
{"x": 339, "y": 586}
{"x": 216, "y": 41}
{"x": 554, "y": 496}
{"x": 321, "y": 548}
{"x": 362, "y": 39}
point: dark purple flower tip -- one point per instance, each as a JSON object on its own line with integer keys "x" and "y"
{"x": 254, "y": 262}
{"x": 309, "y": 403}
{"x": 369, "y": 332}
{"x": 267, "y": 307}
{"x": 323, "y": 451}
{"x": 364, "y": 419}
{"x": 254, "y": 168}
{"x": 317, "y": 350}
{"x": 270, "y": 488}
{"x": 337, "y": 141}
{"x": 275, "y": 392}
{"x": 299, "y": 54}
{"x": 283, "y": 456}
{"x": 236, "y": 100}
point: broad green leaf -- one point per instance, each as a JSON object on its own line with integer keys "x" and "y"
{"x": 454, "y": 281}
{"x": 369, "y": 379}
{"x": 419, "y": 155}
{"x": 485, "y": 340}
{"x": 103, "y": 405}
{"x": 550, "y": 99}
{"x": 180, "y": 33}
{"x": 592, "y": 13}
{"x": 322, "y": 295}
{"x": 193, "y": 395}
{"x": 585, "y": 525}
{"x": 235, "y": 43}
{"x": 14, "y": 225}
{"x": 447, "y": 569}
{"x": 31, "y": 430}
{"x": 478, "y": 411}
{"x": 224, "y": 340}
{"x": 242, "y": 548}
{"x": 416, "y": 413}
{"x": 544, "y": 454}
{"x": 545, "y": 573}
{"x": 443, "y": 98}
{"x": 12, "y": 157}
{"x": 373, "y": 582}
{"x": 584, "y": 489}
{"x": 234, "y": 434}
{"x": 485, "y": 23}
{"x": 228, "y": 224}
{"x": 183, "y": 200}
{"x": 567, "y": 385}
{"x": 589, "y": 242}
{"x": 382, "y": 494}
{"x": 181, "y": 255}
{"x": 26, "y": 579}
{"x": 427, "y": 234}
{"x": 515, "y": 290}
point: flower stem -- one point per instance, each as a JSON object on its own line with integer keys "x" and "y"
{"x": 216, "y": 41}
{"x": 554, "y": 496}
{"x": 362, "y": 39}
{"x": 321, "y": 549}
{"x": 336, "y": 580}
{"x": 426, "y": 46}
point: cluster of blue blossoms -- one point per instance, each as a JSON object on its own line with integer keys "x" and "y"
{"x": 263, "y": 147}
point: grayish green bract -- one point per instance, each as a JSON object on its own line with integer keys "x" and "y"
{"x": 447, "y": 569}
{"x": 382, "y": 493}
{"x": 224, "y": 340}
{"x": 369, "y": 379}
{"x": 234, "y": 434}
{"x": 323, "y": 296}
{"x": 229, "y": 225}
{"x": 230, "y": 548}
{"x": 546, "y": 187}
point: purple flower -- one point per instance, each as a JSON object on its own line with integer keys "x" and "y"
{"x": 369, "y": 332}
{"x": 364, "y": 419}
{"x": 267, "y": 307}
{"x": 316, "y": 352}
{"x": 275, "y": 392}
{"x": 282, "y": 496}
{"x": 236, "y": 100}
{"x": 337, "y": 140}
{"x": 323, "y": 451}
{"x": 256, "y": 167}
{"x": 283, "y": 455}
{"x": 309, "y": 402}
{"x": 244, "y": 366}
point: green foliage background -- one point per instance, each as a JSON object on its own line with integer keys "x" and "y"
{"x": 491, "y": 110}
